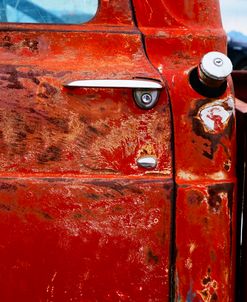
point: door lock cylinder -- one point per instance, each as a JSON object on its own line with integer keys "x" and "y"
{"x": 146, "y": 98}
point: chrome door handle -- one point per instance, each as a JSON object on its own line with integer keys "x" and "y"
{"x": 136, "y": 84}
{"x": 146, "y": 92}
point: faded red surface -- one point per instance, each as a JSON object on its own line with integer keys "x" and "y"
{"x": 80, "y": 221}
{"x": 84, "y": 239}
{"x": 205, "y": 207}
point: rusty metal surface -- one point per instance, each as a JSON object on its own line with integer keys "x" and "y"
{"x": 48, "y": 129}
{"x": 51, "y": 129}
{"x": 205, "y": 246}
{"x": 204, "y": 148}
{"x": 80, "y": 220}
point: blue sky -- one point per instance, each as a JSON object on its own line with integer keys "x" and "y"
{"x": 234, "y": 15}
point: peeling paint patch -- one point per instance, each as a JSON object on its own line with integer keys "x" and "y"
{"x": 210, "y": 286}
{"x": 188, "y": 263}
{"x": 213, "y": 121}
{"x": 214, "y": 118}
{"x": 216, "y": 115}
{"x": 192, "y": 246}
{"x": 187, "y": 175}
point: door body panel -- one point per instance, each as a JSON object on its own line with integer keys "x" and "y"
{"x": 205, "y": 206}
{"x": 84, "y": 239}
{"x": 80, "y": 220}
{"x": 46, "y": 128}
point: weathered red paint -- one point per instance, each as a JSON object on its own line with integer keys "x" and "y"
{"x": 73, "y": 239}
{"x": 80, "y": 221}
{"x": 204, "y": 160}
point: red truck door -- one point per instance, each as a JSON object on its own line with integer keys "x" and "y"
{"x": 86, "y": 188}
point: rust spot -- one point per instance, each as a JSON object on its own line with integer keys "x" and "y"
{"x": 214, "y": 192}
{"x": 118, "y": 209}
{"x": 214, "y": 297}
{"x": 44, "y": 215}
{"x": 34, "y": 79}
{"x": 21, "y": 136}
{"x": 204, "y": 293}
{"x": 13, "y": 80}
{"x": 195, "y": 197}
{"x": 160, "y": 128}
{"x": 46, "y": 91}
{"x": 22, "y": 211}
{"x": 227, "y": 165}
{"x": 92, "y": 196}
{"x": 78, "y": 216}
{"x": 54, "y": 180}
{"x": 135, "y": 190}
{"x": 214, "y": 201}
{"x": 213, "y": 138}
{"x": 214, "y": 284}
{"x": 52, "y": 153}
{"x": 5, "y": 207}
{"x": 91, "y": 96}
{"x": 31, "y": 44}
{"x": 208, "y": 293}
{"x": 84, "y": 119}
{"x": 6, "y": 43}
{"x": 167, "y": 187}
{"x": 87, "y": 214}
{"x": 108, "y": 195}
{"x": 213, "y": 256}
{"x": 151, "y": 258}
{"x": 117, "y": 187}
{"x": 93, "y": 129}
{"x": 8, "y": 187}
{"x": 60, "y": 123}
{"x": 146, "y": 150}
{"x": 206, "y": 280}
{"x": 29, "y": 129}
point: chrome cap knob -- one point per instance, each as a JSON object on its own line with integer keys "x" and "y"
{"x": 214, "y": 68}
